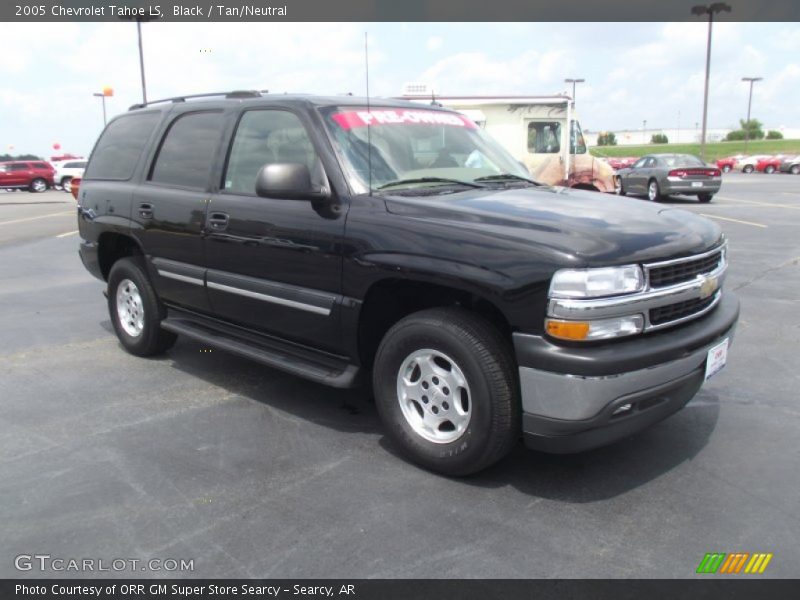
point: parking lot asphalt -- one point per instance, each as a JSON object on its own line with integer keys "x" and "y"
{"x": 204, "y": 456}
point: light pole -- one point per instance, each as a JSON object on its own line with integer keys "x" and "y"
{"x": 573, "y": 82}
{"x": 107, "y": 92}
{"x": 644, "y": 131}
{"x": 709, "y": 10}
{"x": 139, "y": 20}
{"x": 752, "y": 80}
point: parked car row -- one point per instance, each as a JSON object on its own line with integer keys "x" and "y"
{"x": 38, "y": 175}
{"x": 760, "y": 163}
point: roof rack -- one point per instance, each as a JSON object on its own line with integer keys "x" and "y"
{"x": 237, "y": 94}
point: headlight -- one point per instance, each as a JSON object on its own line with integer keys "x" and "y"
{"x": 592, "y": 283}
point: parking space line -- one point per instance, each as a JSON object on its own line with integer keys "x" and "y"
{"x": 69, "y": 212}
{"x": 60, "y": 235}
{"x": 734, "y": 220}
{"x": 770, "y": 204}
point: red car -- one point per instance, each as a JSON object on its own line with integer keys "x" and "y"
{"x": 728, "y": 163}
{"x": 33, "y": 175}
{"x": 768, "y": 165}
{"x": 621, "y": 162}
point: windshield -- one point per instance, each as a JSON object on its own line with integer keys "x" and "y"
{"x": 683, "y": 160}
{"x": 416, "y": 148}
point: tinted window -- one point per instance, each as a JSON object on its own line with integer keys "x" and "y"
{"x": 117, "y": 151}
{"x": 262, "y": 137}
{"x": 544, "y": 137}
{"x": 639, "y": 163}
{"x": 683, "y": 160}
{"x": 40, "y": 165}
{"x": 19, "y": 167}
{"x": 187, "y": 150}
{"x": 75, "y": 165}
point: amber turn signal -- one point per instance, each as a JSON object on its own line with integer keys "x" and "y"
{"x": 568, "y": 330}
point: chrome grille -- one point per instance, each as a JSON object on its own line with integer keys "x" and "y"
{"x": 681, "y": 270}
{"x": 680, "y": 310}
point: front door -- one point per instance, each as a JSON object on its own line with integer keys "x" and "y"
{"x": 274, "y": 264}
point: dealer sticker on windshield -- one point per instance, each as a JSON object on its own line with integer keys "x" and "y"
{"x": 717, "y": 356}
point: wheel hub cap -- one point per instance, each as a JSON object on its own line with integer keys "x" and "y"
{"x": 434, "y": 396}
{"x": 130, "y": 311}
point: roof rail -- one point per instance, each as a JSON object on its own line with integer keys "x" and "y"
{"x": 234, "y": 94}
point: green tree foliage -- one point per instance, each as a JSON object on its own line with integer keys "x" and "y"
{"x": 606, "y": 138}
{"x": 774, "y": 135}
{"x": 659, "y": 138}
{"x": 7, "y": 157}
{"x": 753, "y": 126}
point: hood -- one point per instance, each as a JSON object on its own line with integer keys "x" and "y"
{"x": 579, "y": 227}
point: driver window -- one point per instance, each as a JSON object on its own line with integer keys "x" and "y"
{"x": 262, "y": 137}
{"x": 577, "y": 144}
{"x": 639, "y": 163}
{"x": 544, "y": 137}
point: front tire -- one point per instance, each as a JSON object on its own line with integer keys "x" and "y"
{"x": 769, "y": 169}
{"x": 653, "y": 191}
{"x": 135, "y": 310}
{"x": 446, "y": 391}
{"x": 748, "y": 169}
{"x": 795, "y": 170}
{"x": 619, "y": 187}
{"x": 38, "y": 186}
{"x": 66, "y": 184}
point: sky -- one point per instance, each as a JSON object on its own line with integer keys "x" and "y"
{"x": 633, "y": 71}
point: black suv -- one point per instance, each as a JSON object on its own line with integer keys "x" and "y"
{"x": 339, "y": 237}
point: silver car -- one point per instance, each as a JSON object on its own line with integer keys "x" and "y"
{"x": 657, "y": 175}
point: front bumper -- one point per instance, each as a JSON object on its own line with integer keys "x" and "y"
{"x": 570, "y": 394}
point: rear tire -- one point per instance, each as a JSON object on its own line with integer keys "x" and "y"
{"x": 445, "y": 388}
{"x": 795, "y": 170}
{"x": 653, "y": 191}
{"x": 66, "y": 184}
{"x": 705, "y": 198}
{"x": 38, "y": 186}
{"x": 748, "y": 169}
{"x": 135, "y": 310}
{"x": 769, "y": 169}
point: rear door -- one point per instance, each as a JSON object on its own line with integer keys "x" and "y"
{"x": 169, "y": 207}
{"x": 274, "y": 264}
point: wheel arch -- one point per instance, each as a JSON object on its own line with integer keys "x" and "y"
{"x": 112, "y": 246}
{"x": 390, "y": 299}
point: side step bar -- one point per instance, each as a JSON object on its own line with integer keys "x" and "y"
{"x": 319, "y": 367}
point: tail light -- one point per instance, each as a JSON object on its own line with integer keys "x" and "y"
{"x": 76, "y": 184}
{"x": 686, "y": 172}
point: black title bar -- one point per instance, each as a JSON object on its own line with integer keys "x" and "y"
{"x": 391, "y": 10}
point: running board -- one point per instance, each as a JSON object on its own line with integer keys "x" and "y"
{"x": 304, "y": 362}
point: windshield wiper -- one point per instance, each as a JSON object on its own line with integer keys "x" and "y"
{"x": 471, "y": 184}
{"x": 507, "y": 177}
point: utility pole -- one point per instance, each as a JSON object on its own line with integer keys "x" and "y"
{"x": 709, "y": 10}
{"x": 573, "y": 82}
{"x": 752, "y": 80}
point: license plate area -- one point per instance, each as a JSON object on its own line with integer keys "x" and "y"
{"x": 716, "y": 359}
{"x": 697, "y": 184}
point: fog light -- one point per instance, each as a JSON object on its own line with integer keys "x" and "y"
{"x": 601, "y": 329}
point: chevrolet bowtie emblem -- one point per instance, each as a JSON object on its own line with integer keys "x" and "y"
{"x": 708, "y": 287}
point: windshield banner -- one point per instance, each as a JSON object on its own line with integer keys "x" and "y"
{"x": 362, "y": 118}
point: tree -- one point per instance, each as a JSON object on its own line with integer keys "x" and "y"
{"x": 774, "y": 135}
{"x": 659, "y": 138}
{"x": 606, "y": 138}
{"x": 751, "y": 129}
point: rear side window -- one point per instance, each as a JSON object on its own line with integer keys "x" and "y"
{"x": 117, "y": 151}
{"x": 187, "y": 151}
{"x": 40, "y": 165}
{"x": 19, "y": 167}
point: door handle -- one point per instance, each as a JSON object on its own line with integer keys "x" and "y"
{"x": 218, "y": 221}
{"x": 146, "y": 210}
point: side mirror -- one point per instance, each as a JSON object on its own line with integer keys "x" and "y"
{"x": 289, "y": 181}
